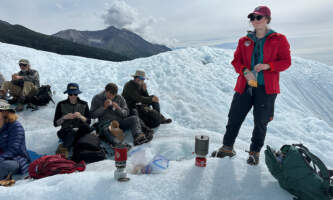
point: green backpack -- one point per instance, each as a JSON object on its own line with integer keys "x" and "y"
{"x": 300, "y": 172}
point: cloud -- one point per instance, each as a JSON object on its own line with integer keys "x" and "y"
{"x": 121, "y": 15}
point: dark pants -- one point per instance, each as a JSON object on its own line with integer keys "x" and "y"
{"x": 8, "y": 167}
{"x": 69, "y": 136}
{"x": 263, "y": 112}
{"x": 130, "y": 123}
{"x": 156, "y": 106}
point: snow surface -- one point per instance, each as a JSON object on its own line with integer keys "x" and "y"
{"x": 195, "y": 86}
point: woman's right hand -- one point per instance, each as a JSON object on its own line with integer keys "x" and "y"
{"x": 251, "y": 78}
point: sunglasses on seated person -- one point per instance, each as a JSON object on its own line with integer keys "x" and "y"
{"x": 23, "y": 65}
{"x": 72, "y": 94}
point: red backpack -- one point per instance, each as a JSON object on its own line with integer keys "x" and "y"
{"x": 53, "y": 164}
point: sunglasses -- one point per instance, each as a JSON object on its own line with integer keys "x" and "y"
{"x": 72, "y": 94}
{"x": 23, "y": 65}
{"x": 257, "y": 17}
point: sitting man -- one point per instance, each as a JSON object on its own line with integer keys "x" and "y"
{"x": 139, "y": 101}
{"x": 109, "y": 107}
{"x": 73, "y": 116}
{"x": 23, "y": 84}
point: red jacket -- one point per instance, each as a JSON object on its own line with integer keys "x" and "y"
{"x": 276, "y": 54}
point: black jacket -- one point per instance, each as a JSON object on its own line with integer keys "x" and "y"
{"x": 65, "y": 107}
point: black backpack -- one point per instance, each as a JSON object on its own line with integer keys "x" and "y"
{"x": 43, "y": 97}
{"x": 88, "y": 148}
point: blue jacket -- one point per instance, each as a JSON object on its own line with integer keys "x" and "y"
{"x": 12, "y": 145}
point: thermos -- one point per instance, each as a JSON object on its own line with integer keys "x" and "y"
{"x": 201, "y": 150}
{"x": 120, "y": 158}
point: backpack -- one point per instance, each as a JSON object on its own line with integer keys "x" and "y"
{"x": 88, "y": 148}
{"x": 149, "y": 116}
{"x": 43, "y": 97}
{"x": 53, "y": 164}
{"x": 300, "y": 172}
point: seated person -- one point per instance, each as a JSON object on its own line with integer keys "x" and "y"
{"x": 14, "y": 158}
{"x": 73, "y": 116}
{"x": 135, "y": 92}
{"x": 23, "y": 84}
{"x": 108, "y": 106}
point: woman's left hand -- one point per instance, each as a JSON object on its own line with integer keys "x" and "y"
{"x": 260, "y": 67}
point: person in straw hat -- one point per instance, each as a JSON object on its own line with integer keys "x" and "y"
{"x": 24, "y": 84}
{"x": 14, "y": 158}
{"x": 135, "y": 92}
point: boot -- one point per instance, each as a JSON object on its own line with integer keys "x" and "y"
{"x": 20, "y": 104}
{"x": 116, "y": 131}
{"x": 63, "y": 151}
{"x": 165, "y": 120}
{"x": 140, "y": 139}
{"x": 223, "y": 152}
{"x": 253, "y": 158}
{"x": 9, "y": 181}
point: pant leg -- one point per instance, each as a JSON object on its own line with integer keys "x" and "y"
{"x": 156, "y": 106}
{"x": 67, "y": 135}
{"x": 83, "y": 130}
{"x": 263, "y": 112}
{"x": 8, "y": 167}
{"x": 131, "y": 123}
{"x": 13, "y": 89}
{"x": 29, "y": 89}
{"x": 240, "y": 106}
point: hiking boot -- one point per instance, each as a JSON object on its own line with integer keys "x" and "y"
{"x": 165, "y": 120}
{"x": 116, "y": 131}
{"x": 63, "y": 151}
{"x": 20, "y": 104}
{"x": 140, "y": 139}
{"x": 223, "y": 152}
{"x": 253, "y": 158}
{"x": 19, "y": 107}
{"x": 9, "y": 181}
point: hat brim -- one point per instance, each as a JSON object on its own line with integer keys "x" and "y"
{"x": 9, "y": 110}
{"x": 72, "y": 92}
{"x": 137, "y": 75}
{"x": 256, "y": 13}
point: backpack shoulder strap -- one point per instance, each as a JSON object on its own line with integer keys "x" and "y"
{"x": 324, "y": 172}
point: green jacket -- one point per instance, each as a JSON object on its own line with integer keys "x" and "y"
{"x": 134, "y": 94}
{"x": 258, "y": 53}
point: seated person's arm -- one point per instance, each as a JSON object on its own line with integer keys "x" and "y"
{"x": 122, "y": 108}
{"x": 97, "y": 108}
{"x": 34, "y": 77}
{"x": 16, "y": 140}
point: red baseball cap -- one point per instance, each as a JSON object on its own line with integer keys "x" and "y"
{"x": 261, "y": 10}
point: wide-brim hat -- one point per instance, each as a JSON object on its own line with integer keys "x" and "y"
{"x": 73, "y": 88}
{"x": 261, "y": 10}
{"x": 5, "y": 106}
{"x": 140, "y": 74}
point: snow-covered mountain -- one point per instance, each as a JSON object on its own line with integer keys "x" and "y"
{"x": 195, "y": 86}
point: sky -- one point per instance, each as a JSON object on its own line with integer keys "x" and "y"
{"x": 181, "y": 23}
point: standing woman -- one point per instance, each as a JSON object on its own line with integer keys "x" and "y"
{"x": 14, "y": 158}
{"x": 259, "y": 58}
